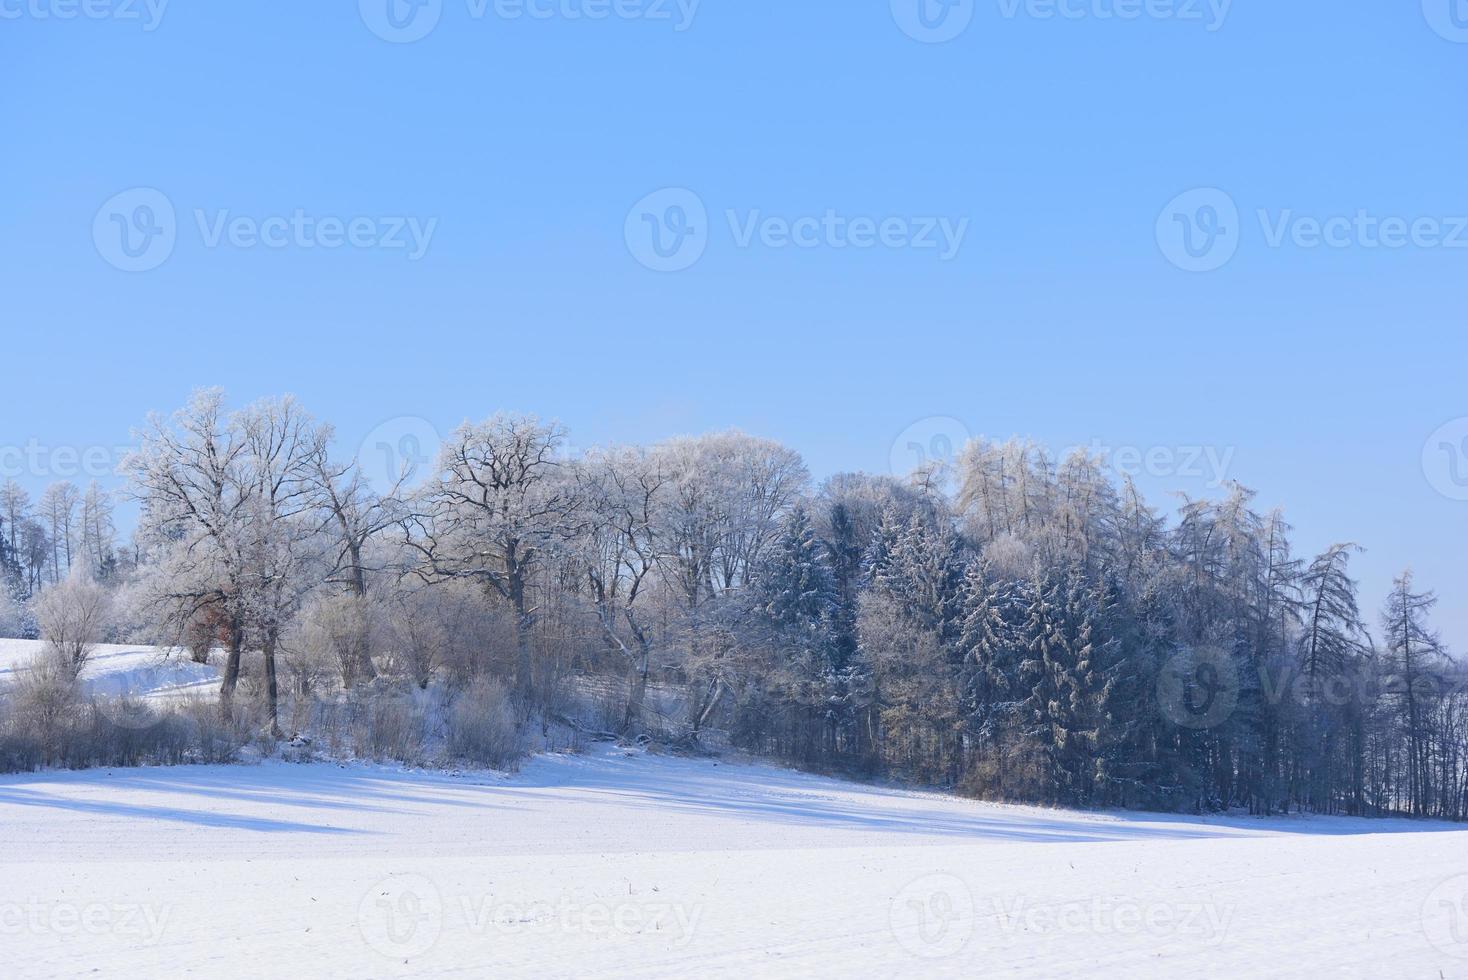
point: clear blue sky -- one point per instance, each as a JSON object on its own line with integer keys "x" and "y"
{"x": 1060, "y": 140}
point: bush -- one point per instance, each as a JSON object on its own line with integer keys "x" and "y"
{"x": 481, "y": 726}
{"x": 213, "y": 737}
{"x": 447, "y": 629}
{"x": 46, "y": 721}
{"x": 37, "y": 712}
{"x": 388, "y": 725}
{"x": 73, "y": 618}
{"x": 340, "y": 630}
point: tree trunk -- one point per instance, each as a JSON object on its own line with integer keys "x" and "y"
{"x": 639, "y": 691}
{"x": 231, "y": 667}
{"x": 272, "y": 693}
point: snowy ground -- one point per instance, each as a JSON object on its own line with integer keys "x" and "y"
{"x": 626, "y": 864}
{"x": 611, "y": 864}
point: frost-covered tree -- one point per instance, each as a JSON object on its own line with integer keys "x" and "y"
{"x": 504, "y": 503}
{"x": 57, "y": 505}
{"x": 1415, "y": 655}
{"x": 231, "y": 512}
{"x": 618, "y": 551}
{"x": 98, "y": 533}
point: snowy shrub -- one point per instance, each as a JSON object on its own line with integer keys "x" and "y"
{"x": 45, "y": 721}
{"x": 388, "y": 726}
{"x": 339, "y": 630}
{"x": 73, "y": 618}
{"x": 39, "y": 709}
{"x": 213, "y": 737}
{"x": 446, "y": 628}
{"x": 482, "y": 728}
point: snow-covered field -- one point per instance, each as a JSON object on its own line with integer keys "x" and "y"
{"x": 620, "y": 863}
{"x": 617, "y": 864}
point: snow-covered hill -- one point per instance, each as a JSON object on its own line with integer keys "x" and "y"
{"x": 625, "y": 864}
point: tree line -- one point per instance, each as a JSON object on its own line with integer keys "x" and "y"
{"x": 1009, "y": 626}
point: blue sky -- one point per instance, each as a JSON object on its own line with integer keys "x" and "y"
{"x": 519, "y": 146}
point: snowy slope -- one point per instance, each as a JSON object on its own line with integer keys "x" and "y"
{"x": 612, "y": 864}
{"x": 141, "y": 671}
